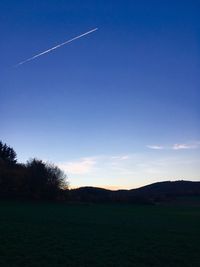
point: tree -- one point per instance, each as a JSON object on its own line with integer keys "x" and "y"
{"x": 7, "y": 169}
{"x": 45, "y": 180}
{"x": 36, "y": 179}
{"x": 7, "y": 154}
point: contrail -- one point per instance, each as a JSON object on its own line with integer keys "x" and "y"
{"x": 55, "y": 47}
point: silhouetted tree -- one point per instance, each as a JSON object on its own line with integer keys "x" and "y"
{"x": 36, "y": 179}
{"x": 7, "y": 154}
{"x": 45, "y": 180}
{"x": 7, "y": 168}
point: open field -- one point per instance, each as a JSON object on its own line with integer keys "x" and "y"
{"x": 81, "y": 235}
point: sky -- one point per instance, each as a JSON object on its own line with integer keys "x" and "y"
{"x": 118, "y": 108}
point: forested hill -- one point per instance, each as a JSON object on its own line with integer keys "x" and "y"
{"x": 161, "y": 191}
{"x": 169, "y": 188}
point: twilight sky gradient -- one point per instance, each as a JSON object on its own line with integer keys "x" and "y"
{"x": 118, "y": 108}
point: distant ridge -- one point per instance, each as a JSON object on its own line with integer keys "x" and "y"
{"x": 156, "y": 192}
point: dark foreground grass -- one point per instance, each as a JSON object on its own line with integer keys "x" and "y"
{"x": 98, "y": 235}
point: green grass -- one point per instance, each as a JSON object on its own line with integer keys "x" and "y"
{"x": 83, "y": 235}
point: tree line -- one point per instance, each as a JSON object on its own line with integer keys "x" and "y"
{"x": 39, "y": 180}
{"x": 36, "y": 179}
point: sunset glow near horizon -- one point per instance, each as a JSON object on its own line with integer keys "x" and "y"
{"x": 118, "y": 108}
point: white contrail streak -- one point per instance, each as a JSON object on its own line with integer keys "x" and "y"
{"x": 55, "y": 47}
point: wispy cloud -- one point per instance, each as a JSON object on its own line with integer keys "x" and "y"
{"x": 180, "y": 146}
{"x": 82, "y": 166}
{"x": 184, "y": 146}
{"x": 121, "y": 157}
{"x": 130, "y": 170}
{"x": 155, "y": 147}
{"x": 177, "y": 146}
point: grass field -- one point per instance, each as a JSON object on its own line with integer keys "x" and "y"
{"x": 80, "y": 235}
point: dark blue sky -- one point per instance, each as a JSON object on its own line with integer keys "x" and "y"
{"x": 119, "y": 107}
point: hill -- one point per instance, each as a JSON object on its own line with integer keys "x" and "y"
{"x": 156, "y": 192}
